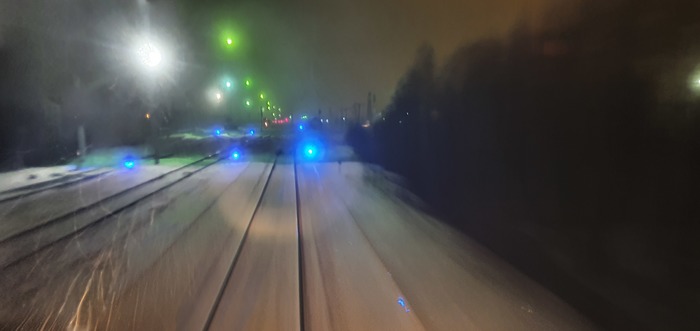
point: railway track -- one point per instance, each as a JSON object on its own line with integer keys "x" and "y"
{"x": 26, "y": 191}
{"x": 274, "y": 218}
{"x": 220, "y": 293}
{"x": 21, "y": 244}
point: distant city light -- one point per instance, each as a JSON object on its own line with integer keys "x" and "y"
{"x": 148, "y": 116}
{"x": 262, "y": 96}
{"x": 228, "y": 84}
{"x": 247, "y": 103}
{"x": 229, "y": 41}
{"x": 247, "y": 82}
{"x": 218, "y": 95}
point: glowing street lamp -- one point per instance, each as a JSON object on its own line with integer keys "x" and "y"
{"x": 150, "y": 55}
{"x": 229, "y": 41}
{"x": 247, "y": 83}
{"x": 262, "y": 96}
{"x": 228, "y": 84}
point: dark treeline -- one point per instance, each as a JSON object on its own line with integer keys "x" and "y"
{"x": 572, "y": 150}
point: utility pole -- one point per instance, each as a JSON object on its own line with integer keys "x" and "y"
{"x": 261, "y": 118}
{"x": 357, "y": 108}
{"x": 82, "y": 146}
{"x": 370, "y": 106}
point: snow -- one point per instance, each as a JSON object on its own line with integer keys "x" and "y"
{"x": 16, "y": 180}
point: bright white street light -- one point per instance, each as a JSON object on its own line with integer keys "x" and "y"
{"x": 218, "y": 95}
{"x": 150, "y": 55}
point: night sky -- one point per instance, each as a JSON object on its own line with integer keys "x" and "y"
{"x": 331, "y": 53}
{"x": 305, "y": 54}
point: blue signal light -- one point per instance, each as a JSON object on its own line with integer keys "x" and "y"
{"x": 251, "y": 132}
{"x": 236, "y": 155}
{"x": 129, "y": 164}
{"x": 301, "y": 127}
{"x": 218, "y": 132}
{"x": 403, "y": 305}
{"x": 310, "y": 151}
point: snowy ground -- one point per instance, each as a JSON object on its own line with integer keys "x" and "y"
{"x": 36, "y": 177}
{"x": 326, "y": 244}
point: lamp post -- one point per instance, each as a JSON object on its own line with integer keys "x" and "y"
{"x": 150, "y": 57}
{"x": 262, "y": 108}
